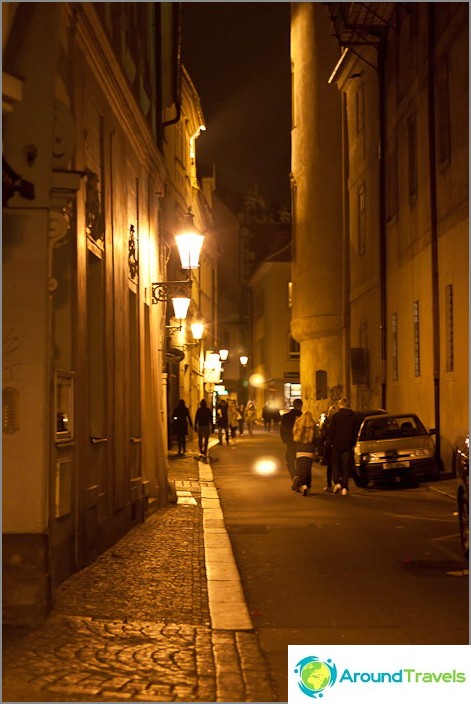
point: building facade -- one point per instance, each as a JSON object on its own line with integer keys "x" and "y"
{"x": 85, "y": 238}
{"x": 400, "y": 313}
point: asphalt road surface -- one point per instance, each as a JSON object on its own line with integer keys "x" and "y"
{"x": 379, "y": 566}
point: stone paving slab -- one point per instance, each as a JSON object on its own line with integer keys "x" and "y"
{"x": 136, "y": 624}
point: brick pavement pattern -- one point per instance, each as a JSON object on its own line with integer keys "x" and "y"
{"x": 135, "y": 625}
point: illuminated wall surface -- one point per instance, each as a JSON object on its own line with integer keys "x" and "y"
{"x": 381, "y": 248}
{"x": 85, "y": 402}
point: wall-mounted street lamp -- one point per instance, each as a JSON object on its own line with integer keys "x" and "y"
{"x": 223, "y": 354}
{"x": 243, "y": 359}
{"x": 189, "y": 245}
{"x": 197, "y": 330}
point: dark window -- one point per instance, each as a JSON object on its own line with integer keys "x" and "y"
{"x": 294, "y": 348}
{"x": 395, "y": 359}
{"x": 450, "y": 357}
{"x": 416, "y": 338}
{"x": 443, "y": 115}
{"x": 391, "y": 183}
{"x": 412, "y": 155}
{"x": 361, "y": 219}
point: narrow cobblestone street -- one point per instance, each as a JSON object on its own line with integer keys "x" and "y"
{"x": 135, "y": 625}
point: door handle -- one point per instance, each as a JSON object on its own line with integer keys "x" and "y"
{"x": 98, "y": 441}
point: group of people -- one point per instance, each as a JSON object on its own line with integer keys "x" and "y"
{"x": 298, "y": 432}
{"x": 271, "y": 417}
{"x": 230, "y": 418}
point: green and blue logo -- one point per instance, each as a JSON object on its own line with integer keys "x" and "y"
{"x": 315, "y": 676}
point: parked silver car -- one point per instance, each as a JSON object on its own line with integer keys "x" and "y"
{"x": 391, "y": 446}
{"x": 462, "y": 493}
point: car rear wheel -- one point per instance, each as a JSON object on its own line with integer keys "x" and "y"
{"x": 360, "y": 480}
{"x": 463, "y": 512}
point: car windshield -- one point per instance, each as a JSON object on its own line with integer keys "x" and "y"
{"x": 391, "y": 427}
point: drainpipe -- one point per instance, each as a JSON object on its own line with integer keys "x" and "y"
{"x": 434, "y": 231}
{"x": 177, "y": 79}
{"x": 346, "y": 249}
{"x": 382, "y": 217}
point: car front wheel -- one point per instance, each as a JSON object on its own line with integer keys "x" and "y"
{"x": 463, "y": 512}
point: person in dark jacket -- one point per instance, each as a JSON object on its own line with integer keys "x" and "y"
{"x": 342, "y": 434}
{"x": 222, "y": 420}
{"x": 325, "y": 449}
{"x": 286, "y": 434}
{"x": 204, "y": 426}
{"x": 181, "y": 418}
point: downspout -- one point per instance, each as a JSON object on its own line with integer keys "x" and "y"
{"x": 434, "y": 231}
{"x": 382, "y": 219}
{"x": 346, "y": 248}
{"x": 177, "y": 78}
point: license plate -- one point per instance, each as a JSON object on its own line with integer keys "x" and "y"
{"x": 395, "y": 465}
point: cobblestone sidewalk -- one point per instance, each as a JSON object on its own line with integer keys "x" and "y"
{"x": 135, "y": 625}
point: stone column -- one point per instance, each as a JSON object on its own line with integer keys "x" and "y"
{"x": 317, "y": 275}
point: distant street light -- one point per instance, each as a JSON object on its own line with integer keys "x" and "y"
{"x": 243, "y": 360}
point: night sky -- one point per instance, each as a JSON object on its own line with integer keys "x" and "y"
{"x": 237, "y": 55}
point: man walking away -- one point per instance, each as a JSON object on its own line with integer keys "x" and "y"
{"x": 204, "y": 426}
{"x": 342, "y": 437}
{"x": 286, "y": 434}
{"x": 181, "y": 419}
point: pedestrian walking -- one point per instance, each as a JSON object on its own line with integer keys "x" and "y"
{"x": 222, "y": 421}
{"x": 181, "y": 419}
{"x": 204, "y": 426}
{"x": 275, "y": 418}
{"x": 233, "y": 418}
{"x": 286, "y": 434}
{"x": 342, "y": 437}
{"x": 303, "y": 436}
{"x": 325, "y": 449}
{"x": 250, "y": 417}
{"x": 266, "y": 416}
{"x": 241, "y": 411}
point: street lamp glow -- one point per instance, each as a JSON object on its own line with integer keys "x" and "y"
{"x": 197, "y": 330}
{"x": 180, "y": 307}
{"x": 223, "y": 354}
{"x": 256, "y": 380}
{"x": 243, "y": 360}
{"x": 189, "y": 248}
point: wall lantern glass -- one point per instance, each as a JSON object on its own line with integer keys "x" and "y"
{"x": 223, "y": 354}
{"x": 243, "y": 360}
{"x": 180, "y": 307}
{"x": 197, "y": 330}
{"x": 189, "y": 248}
